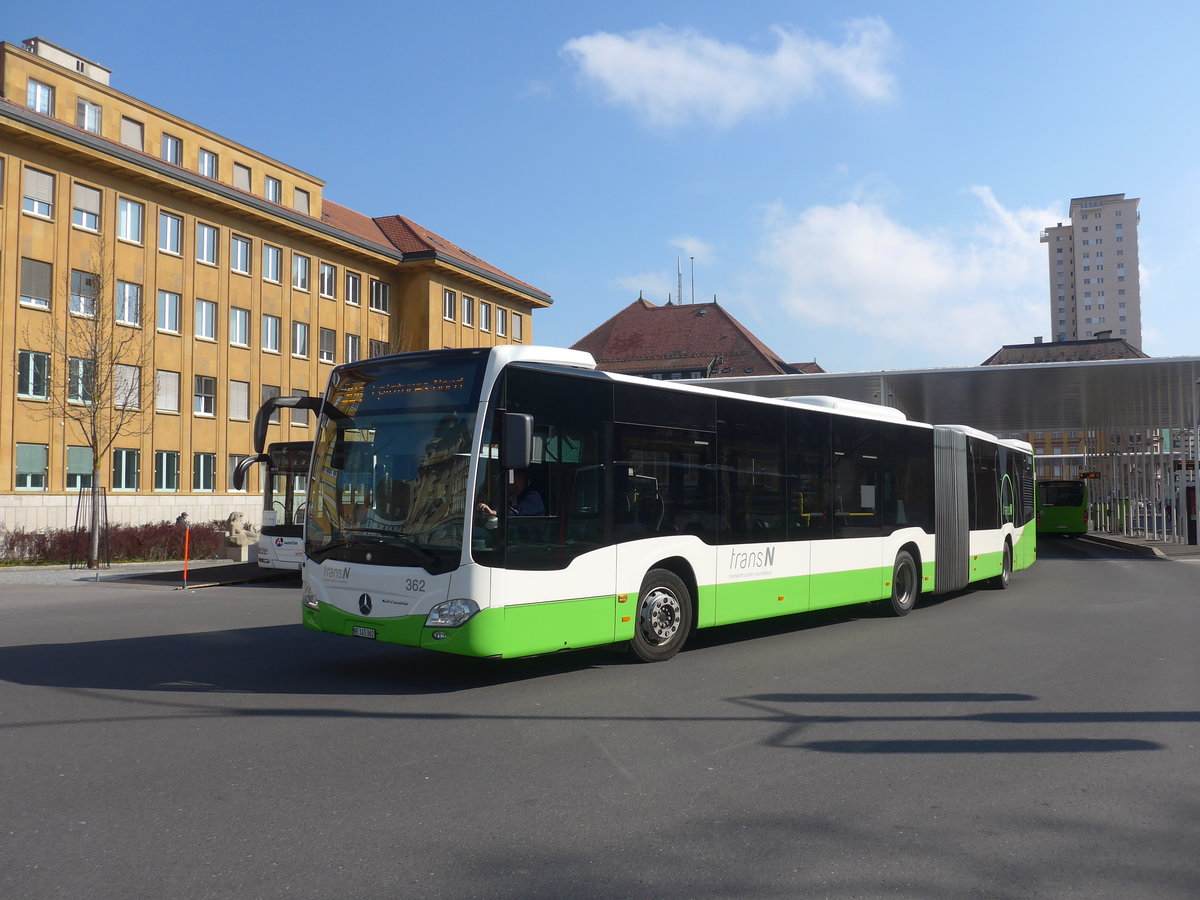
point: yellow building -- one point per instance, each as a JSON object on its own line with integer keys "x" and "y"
{"x": 231, "y": 268}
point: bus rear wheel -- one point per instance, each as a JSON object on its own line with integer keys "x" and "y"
{"x": 904, "y": 584}
{"x": 664, "y": 617}
{"x": 1000, "y": 582}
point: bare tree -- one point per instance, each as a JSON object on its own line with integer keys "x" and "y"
{"x": 105, "y": 356}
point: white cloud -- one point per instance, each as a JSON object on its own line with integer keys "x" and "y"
{"x": 678, "y": 76}
{"x": 942, "y": 296}
{"x": 654, "y": 286}
{"x": 694, "y": 248}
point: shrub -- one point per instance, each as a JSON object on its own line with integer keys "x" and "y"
{"x": 125, "y": 543}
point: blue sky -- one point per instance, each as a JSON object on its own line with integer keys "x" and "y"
{"x": 862, "y": 184}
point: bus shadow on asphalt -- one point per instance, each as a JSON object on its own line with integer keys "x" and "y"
{"x": 287, "y": 659}
{"x": 281, "y": 659}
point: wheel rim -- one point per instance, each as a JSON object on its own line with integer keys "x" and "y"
{"x": 660, "y": 615}
{"x": 1006, "y": 566}
{"x": 903, "y": 585}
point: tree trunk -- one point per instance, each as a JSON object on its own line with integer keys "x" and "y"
{"x": 94, "y": 542}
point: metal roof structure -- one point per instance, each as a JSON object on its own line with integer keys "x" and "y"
{"x": 1138, "y": 394}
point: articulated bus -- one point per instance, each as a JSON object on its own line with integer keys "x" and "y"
{"x": 1062, "y": 507}
{"x": 514, "y": 501}
{"x": 285, "y": 494}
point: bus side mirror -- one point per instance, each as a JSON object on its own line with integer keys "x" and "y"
{"x": 516, "y": 448}
{"x": 243, "y": 466}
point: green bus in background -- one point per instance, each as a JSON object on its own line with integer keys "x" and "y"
{"x": 1062, "y": 507}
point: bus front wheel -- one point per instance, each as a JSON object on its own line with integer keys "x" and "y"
{"x": 905, "y": 585}
{"x": 664, "y": 617}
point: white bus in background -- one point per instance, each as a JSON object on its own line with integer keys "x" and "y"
{"x": 285, "y": 491}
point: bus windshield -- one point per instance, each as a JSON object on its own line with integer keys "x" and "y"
{"x": 1062, "y": 493}
{"x": 391, "y": 461}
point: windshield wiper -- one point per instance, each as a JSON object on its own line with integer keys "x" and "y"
{"x": 351, "y": 537}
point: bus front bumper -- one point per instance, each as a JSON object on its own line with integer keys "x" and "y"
{"x": 481, "y": 635}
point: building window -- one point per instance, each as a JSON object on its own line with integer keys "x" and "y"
{"x": 377, "y": 348}
{"x": 241, "y": 177}
{"x": 449, "y": 301}
{"x": 36, "y": 277}
{"x": 206, "y": 243}
{"x": 518, "y": 327}
{"x": 468, "y": 311}
{"x": 204, "y": 471}
{"x": 272, "y": 189}
{"x": 127, "y": 387}
{"x": 300, "y": 339}
{"x": 353, "y": 289}
{"x": 325, "y": 351}
{"x": 239, "y": 327}
{"x": 300, "y": 265}
{"x": 208, "y": 164}
{"x": 239, "y": 400}
{"x": 166, "y": 470}
{"x": 272, "y": 261}
{"x": 206, "y": 320}
{"x": 204, "y": 395}
{"x": 129, "y": 220}
{"x": 132, "y": 133}
{"x": 270, "y": 333}
{"x": 235, "y": 459}
{"x": 299, "y": 416}
{"x": 501, "y": 321}
{"x": 168, "y": 311}
{"x": 83, "y": 293}
{"x": 485, "y": 316}
{"x": 166, "y": 393}
{"x": 33, "y": 374}
{"x": 352, "y": 348}
{"x": 38, "y": 195}
{"x": 327, "y": 280}
{"x": 40, "y": 98}
{"x": 31, "y": 467}
{"x": 89, "y": 116}
{"x": 79, "y": 468}
{"x": 125, "y": 470}
{"x": 86, "y": 211}
{"x": 172, "y": 150}
{"x": 301, "y": 201}
{"x": 239, "y": 254}
{"x": 380, "y": 300}
{"x": 81, "y": 380}
{"x": 170, "y": 233}
{"x": 268, "y": 392}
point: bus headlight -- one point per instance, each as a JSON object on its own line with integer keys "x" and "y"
{"x": 451, "y": 613}
{"x": 308, "y": 597}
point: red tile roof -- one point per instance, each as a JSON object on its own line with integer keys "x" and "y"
{"x": 416, "y": 241}
{"x": 355, "y": 223}
{"x": 644, "y": 338}
{"x": 1064, "y": 351}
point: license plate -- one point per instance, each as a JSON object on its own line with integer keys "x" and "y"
{"x": 362, "y": 631}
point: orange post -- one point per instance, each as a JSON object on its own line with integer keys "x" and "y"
{"x": 187, "y": 540}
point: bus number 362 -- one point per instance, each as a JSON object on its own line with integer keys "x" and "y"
{"x": 416, "y": 585}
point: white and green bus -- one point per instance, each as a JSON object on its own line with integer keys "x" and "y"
{"x": 514, "y": 501}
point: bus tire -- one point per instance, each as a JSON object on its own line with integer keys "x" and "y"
{"x": 1001, "y": 581}
{"x": 664, "y": 617}
{"x": 905, "y": 586}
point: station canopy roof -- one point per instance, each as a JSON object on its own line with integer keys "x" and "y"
{"x": 1127, "y": 394}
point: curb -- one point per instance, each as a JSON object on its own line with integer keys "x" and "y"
{"x": 1140, "y": 549}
